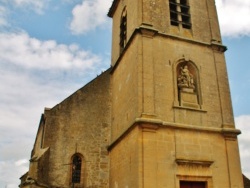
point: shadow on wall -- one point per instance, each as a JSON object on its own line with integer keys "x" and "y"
{"x": 246, "y": 182}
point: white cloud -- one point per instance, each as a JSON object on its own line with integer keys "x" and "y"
{"x": 243, "y": 123}
{"x": 89, "y": 15}
{"x": 234, "y": 17}
{"x": 22, "y": 50}
{"x": 36, "y": 5}
{"x": 10, "y": 173}
{"x": 21, "y": 162}
{"x": 3, "y": 16}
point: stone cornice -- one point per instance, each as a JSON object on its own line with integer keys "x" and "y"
{"x": 194, "y": 162}
{"x": 155, "y": 124}
{"x": 218, "y": 47}
{"x": 229, "y": 134}
{"x": 147, "y": 30}
{"x": 150, "y": 31}
{"x": 113, "y": 8}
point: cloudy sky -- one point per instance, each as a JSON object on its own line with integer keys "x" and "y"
{"x": 50, "y": 48}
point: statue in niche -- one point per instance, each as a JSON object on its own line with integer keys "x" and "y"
{"x": 186, "y": 79}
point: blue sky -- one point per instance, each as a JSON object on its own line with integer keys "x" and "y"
{"x": 50, "y": 48}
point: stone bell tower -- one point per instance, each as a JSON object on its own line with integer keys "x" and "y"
{"x": 172, "y": 119}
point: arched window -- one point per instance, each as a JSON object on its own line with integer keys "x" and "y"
{"x": 123, "y": 30}
{"x": 76, "y": 169}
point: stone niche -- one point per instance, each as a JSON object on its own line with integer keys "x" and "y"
{"x": 187, "y": 82}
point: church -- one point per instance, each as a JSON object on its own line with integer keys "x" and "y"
{"x": 160, "y": 117}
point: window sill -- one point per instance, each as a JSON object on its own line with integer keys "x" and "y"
{"x": 189, "y": 108}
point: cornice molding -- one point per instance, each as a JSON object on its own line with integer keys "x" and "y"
{"x": 113, "y": 8}
{"x": 188, "y": 162}
{"x": 155, "y": 124}
{"x": 149, "y": 31}
{"x": 218, "y": 47}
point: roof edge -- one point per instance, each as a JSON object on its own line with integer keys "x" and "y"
{"x": 87, "y": 84}
{"x": 113, "y": 8}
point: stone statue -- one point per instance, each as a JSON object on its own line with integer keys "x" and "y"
{"x": 185, "y": 78}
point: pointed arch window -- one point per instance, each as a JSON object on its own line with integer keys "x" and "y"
{"x": 123, "y": 30}
{"x": 76, "y": 169}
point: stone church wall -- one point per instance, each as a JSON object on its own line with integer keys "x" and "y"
{"x": 78, "y": 125}
{"x": 126, "y": 87}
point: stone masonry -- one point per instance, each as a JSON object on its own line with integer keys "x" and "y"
{"x": 160, "y": 117}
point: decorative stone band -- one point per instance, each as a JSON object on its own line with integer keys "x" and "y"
{"x": 218, "y": 47}
{"x": 230, "y": 134}
{"x": 150, "y": 31}
{"x": 153, "y": 124}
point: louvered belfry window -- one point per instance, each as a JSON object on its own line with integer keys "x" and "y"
{"x": 123, "y": 30}
{"x": 180, "y": 13}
